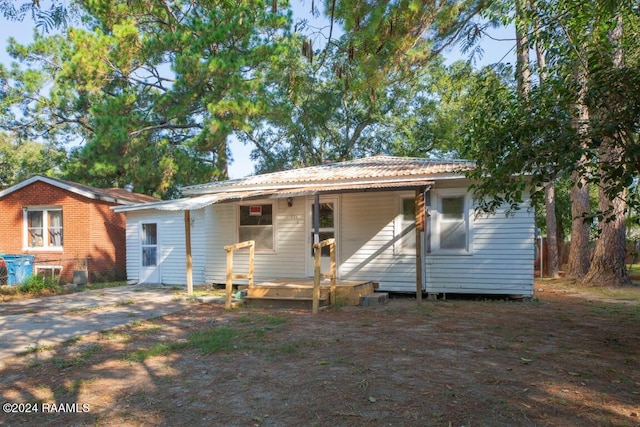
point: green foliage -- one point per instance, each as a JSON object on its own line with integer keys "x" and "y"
{"x": 518, "y": 147}
{"x": 20, "y": 160}
{"x": 537, "y": 138}
{"x": 387, "y": 35}
{"x": 37, "y": 284}
{"x": 47, "y": 14}
{"x": 153, "y": 92}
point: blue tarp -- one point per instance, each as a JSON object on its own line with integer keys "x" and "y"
{"x": 16, "y": 270}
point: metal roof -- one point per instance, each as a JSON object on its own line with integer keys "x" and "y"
{"x": 359, "y": 171}
{"x": 189, "y": 203}
{"x": 378, "y": 173}
{"x": 199, "y": 202}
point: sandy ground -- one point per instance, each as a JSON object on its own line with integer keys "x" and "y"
{"x": 566, "y": 358}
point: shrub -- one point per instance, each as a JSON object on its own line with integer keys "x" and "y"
{"x": 37, "y": 284}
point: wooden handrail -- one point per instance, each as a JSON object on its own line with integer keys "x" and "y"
{"x": 251, "y": 244}
{"x": 317, "y": 273}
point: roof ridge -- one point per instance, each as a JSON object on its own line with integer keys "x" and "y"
{"x": 118, "y": 195}
{"x": 374, "y": 167}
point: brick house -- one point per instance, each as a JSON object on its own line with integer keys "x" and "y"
{"x": 66, "y": 226}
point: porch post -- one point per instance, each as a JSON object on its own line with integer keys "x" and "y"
{"x": 187, "y": 243}
{"x": 419, "y": 212}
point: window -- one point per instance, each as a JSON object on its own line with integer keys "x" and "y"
{"x": 451, "y": 230}
{"x": 406, "y": 227}
{"x": 43, "y": 228}
{"x": 256, "y": 223}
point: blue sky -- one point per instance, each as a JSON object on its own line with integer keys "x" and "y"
{"x": 498, "y": 49}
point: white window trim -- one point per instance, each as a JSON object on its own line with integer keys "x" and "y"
{"x": 45, "y": 228}
{"x": 398, "y": 226}
{"x": 273, "y": 225}
{"x": 142, "y": 245}
{"x": 436, "y": 218}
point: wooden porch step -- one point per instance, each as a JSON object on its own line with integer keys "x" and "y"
{"x": 284, "y": 292}
{"x": 283, "y": 302}
{"x": 298, "y": 293}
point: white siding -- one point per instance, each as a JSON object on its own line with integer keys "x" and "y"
{"x": 367, "y": 236}
{"x": 501, "y": 259}
{"x": 286, "y": 261}
{"x": 171, "y": 245}
{"x": 173, "y": 264}
{"x": 133, "y": 245}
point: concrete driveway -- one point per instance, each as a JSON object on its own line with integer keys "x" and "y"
{"x": 38, "y": 322}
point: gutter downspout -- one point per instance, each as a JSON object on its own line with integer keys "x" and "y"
{"x": 419, "y": 220}
{"x": 316, "y": 218}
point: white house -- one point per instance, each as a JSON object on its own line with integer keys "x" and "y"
{"x": 368, "y": 205}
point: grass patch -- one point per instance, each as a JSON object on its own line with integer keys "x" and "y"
{"x": 116, "y": 335}
{"x": 499, "y": 346}
{"x": 251, "y": 333}
{"x": 629, "y": 293}
{"x": 74, "y": 386}
{"x": 159, "y": 349}
{"x": 293, "y": 348}
{"x": 340, "y": 301}
{"x": 210, "y": 340}
{"x": 77, "y": 359}
{"x": 41, "y": 285}
{"x": 633, "y": 270}
{"x": 270, "y": 319}
{"x": 215, "y": 340}
{"x": 620, "y": 312}
{"x": 38, "y": 349}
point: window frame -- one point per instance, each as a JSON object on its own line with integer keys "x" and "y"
{"x": 46, "y": 246}
{"x": 436, "y": 220}
{"x": 273, "y": 224}
{"x": 400, "y": 224}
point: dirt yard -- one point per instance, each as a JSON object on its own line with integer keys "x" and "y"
{"x": 562, "y": 359}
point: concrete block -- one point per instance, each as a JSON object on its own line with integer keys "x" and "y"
{"x": 376, "y": 298}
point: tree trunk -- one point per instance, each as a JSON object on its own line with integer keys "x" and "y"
{"x": 560, "y": 234}
{"x": 607, "y": 266}
{"x": 552, "y": 240}
{"x": 579, "y": 252}
{"x": 222, "y": 163}
{"x": 523, "y": 72}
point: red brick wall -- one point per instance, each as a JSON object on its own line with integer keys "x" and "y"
{"x": 91, "y": 230}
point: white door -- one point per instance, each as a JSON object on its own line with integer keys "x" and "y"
{"x": 149, "y": 253}
{"x": 328, "y": 221}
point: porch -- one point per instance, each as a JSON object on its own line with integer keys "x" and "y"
{"x": 323, "y": 290}
{"x": 298, "y": 293}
